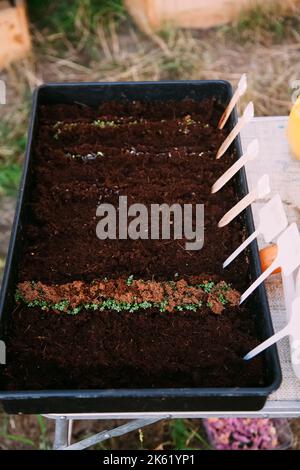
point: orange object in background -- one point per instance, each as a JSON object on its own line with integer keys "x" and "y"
{"x": 153, "y": 14}
{"x": 267, "y": 256}
{"x": 15, "y": 40}
{"x": 293, "y": 130}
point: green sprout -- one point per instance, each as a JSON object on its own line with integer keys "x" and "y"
{"x": 57, "y": 124}
{"x": 129, "y": 280}
{"x": 188, "y": 120}
{"x": 207, "y": 286}
{"x": 104, "y": 124}
{"x": 222, "y": 299}
{"x": 57, "y": 128}
{"x": 38, "y": 303}
{"x": 18, "y": 296}
{"x": 225, "y": 287}
{"x": 163, "y": 305}
{"x": 145, "y": 304}
{"x": 61, "y": 306}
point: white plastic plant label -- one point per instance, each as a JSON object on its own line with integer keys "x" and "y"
{"x": 288, "y": 258}
{"x": 272, "y": 221}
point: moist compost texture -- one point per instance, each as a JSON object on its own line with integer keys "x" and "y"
{"x": 115, "y": 294}
{"x": 152, "y": 153}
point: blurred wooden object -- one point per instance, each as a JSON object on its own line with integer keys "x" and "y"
{"x": 15, "y": 40}
{"x": 193, "y": 13}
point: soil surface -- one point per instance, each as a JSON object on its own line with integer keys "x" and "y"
{"x": 152, "y": 162}
{"x": 154, "y": 153}
{"x": 120, "y": 349}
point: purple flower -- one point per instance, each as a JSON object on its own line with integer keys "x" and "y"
{"x": 242, "y": 433}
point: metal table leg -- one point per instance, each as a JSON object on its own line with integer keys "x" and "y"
{"x": 62, "y": 436}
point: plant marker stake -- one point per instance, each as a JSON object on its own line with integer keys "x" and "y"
{"x": 292, "y": 329}
{"x": 241, "y": 88}
{"x": 250, "y": 154}
{"x": 288, "y": 258}
{"x": 272, "y": 221}
{"x": 247, "y": 116}
{"x": 297, "y": 285}
{"x": 261, "y": 190}
{"x": 291, "y": 290}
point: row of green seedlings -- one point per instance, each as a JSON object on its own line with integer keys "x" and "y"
{"x": 60, "y": 126}
{"x": 111, "y": 304}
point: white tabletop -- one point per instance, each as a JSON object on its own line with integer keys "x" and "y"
{"x": 284, "y": 170}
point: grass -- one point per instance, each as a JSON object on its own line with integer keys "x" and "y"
{"x": 71, "y": 15}
{"x": 8, "y": 438}
{"x": 13, "y": 129}
{"x": 43, "y": 440}
{"x": 16, "y": 438}
{"x": 185, "y": 436}
{"x": 9, "y": 179}
{"x": 179, "y": 433}
{"x": 265, "y": 23}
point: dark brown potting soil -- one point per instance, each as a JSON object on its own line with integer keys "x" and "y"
{"x": 152, "y": 162}
{"x": 147, "y": 349}
{"x": 152, "y": 153}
